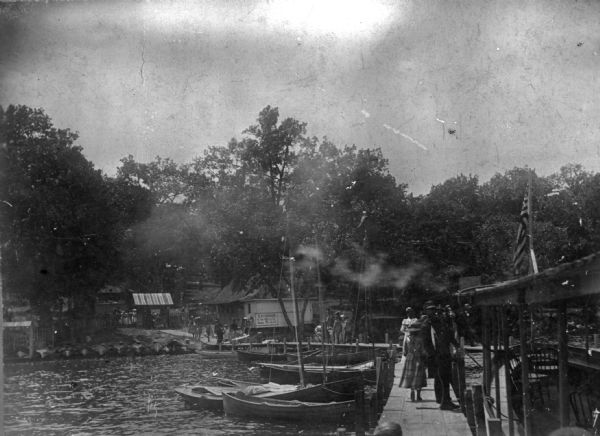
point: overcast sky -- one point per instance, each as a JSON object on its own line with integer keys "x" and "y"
{"x": 517, "y": 82}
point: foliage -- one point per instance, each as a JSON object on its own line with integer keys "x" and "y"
{"x": 61, "y": 219}
{"x": 235, "y": 212}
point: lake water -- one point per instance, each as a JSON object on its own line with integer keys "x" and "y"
{"x": 125, "y": 396}
{"x": 132, "y": 396}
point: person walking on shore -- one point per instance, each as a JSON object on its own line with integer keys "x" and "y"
{"x": 413, "y": 374}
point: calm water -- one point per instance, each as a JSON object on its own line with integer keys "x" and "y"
{"x": 124, "y": 396}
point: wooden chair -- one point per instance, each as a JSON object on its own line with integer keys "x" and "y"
{"x": 544, "y": 364}
{"x": 537, "y": 381}
{"x": 586, "y": 409}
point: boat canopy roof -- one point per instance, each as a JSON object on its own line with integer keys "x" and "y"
{"x": 569, "y": 280}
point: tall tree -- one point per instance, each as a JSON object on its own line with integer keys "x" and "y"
{"x": 59, "y": 227}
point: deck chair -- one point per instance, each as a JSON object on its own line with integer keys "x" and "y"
{"x": 544, "y": 364}
{"x": 586, "y": 407}
{"x": 537, "y": 381}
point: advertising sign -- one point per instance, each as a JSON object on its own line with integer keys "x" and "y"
{"x": 265, "y": 319}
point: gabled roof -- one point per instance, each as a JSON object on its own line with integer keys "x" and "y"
{"x": 233, "y": 293}
{"x": 153, "y": 299}
{"x": 569, "y": 280}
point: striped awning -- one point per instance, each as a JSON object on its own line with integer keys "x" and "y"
{"x": 152, "y": 299}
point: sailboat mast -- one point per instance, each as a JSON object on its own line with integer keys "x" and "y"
{"x": 298, "y": 337}
{"x": 321, "y": 314}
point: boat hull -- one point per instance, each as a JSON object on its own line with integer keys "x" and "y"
{"x": 257, "y": 356}
{"x": 334, "y": 358}
{"x": 239, "y": 404}
{"x": 289, "y": 374}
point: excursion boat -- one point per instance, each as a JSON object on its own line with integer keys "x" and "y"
{"x": 240, "y": 404}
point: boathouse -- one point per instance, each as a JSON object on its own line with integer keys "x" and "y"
{"x": 540, "y": 365}
{"x": 152, "y": 309}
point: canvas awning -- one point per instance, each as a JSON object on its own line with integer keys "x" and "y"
{"x": 153, "y": 299}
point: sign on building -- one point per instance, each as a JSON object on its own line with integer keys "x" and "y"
{"x": 265, "y": 320}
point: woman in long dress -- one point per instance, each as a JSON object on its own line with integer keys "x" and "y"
{"x": 413, "y": 372}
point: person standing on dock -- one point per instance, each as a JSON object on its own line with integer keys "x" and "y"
{"x": 411, "y": 317}
{"x": 413, "y": 375}
{"x": 337, "y": 329}
{"x": 438, "y": 340}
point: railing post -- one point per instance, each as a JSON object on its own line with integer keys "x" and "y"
{"x": 359, "y": 400}
{"x": 478, "y": 409}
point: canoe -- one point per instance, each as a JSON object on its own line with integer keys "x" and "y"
{"x": 239, "y": 404}
{"x": 260, "y": 356}
{"x": 281, "y": 373}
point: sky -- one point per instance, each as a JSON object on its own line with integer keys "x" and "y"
{"x": 443, "y": 87}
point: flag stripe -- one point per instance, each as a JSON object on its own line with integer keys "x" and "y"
{"x": 520, "y": 256}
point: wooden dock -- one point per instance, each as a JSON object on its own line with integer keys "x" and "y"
{"x": 422, "y": 418}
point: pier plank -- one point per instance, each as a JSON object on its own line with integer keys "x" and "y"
{"x": 422, "y": 418}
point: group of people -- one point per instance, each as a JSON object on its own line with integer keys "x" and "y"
{"x": 429, "y": 346}
{"x": 339, "y": 328}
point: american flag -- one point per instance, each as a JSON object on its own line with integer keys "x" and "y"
{"x": 521, "y": 255}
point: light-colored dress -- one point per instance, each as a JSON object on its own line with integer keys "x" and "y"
{"x": 413, "y": 372}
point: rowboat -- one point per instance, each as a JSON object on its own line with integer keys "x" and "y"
{"x": 204, "y": 397}
{"x": 216, "y": 354}
{"x": 211, "y": 397}
{"x": 282, "y": 373}
{"x": 214, "y": 346}
{"x": 260, "y": 356}
{"x": 334, "y": 358}
{"x": 239, "y": 404}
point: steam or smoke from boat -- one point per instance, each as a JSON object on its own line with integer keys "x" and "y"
{"x": 377, "y": 272}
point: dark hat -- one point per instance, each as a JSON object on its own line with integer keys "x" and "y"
{"x": 408, "y": 309}
{"x": 429, "y": 304}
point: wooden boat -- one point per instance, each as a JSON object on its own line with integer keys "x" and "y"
{"x": 204, "y": 397}
{"x": 216, "y": 354}
{"x": 210, "y": 397}
{"x": 334, "y": 358}
{"x": 260, "y": 356}
{"x": 239, "y": 404}
{"x": 213, "y": 346}
{"x": 281, "y": 373}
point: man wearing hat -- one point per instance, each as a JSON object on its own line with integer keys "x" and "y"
{"x": 437, "y": 342}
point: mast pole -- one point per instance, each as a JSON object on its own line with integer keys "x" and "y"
{"x": 298, "y": 338}
{"x": 321, "y": 313}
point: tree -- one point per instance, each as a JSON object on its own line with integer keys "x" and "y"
{"x": 60, "y": 231}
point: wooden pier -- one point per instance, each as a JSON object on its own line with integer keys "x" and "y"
{"x": 422, "y": 418}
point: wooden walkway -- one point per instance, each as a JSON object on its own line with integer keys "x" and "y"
{"x": 422, "y": 418}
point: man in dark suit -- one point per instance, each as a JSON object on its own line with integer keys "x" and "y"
{"x": 439, "y": 338}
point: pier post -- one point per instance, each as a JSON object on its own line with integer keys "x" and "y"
{"x": 563, "y": 362}
{"x": 359, "y": 400}
{"x": 470, "y": 412}
{"x": 478, "y": 409}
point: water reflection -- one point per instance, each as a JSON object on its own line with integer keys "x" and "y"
{"x": 125, "y": 396}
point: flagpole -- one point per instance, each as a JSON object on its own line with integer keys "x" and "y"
{"x": 530, "y": 229}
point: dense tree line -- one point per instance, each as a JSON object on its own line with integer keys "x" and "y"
{"x": 235, "y": 212}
